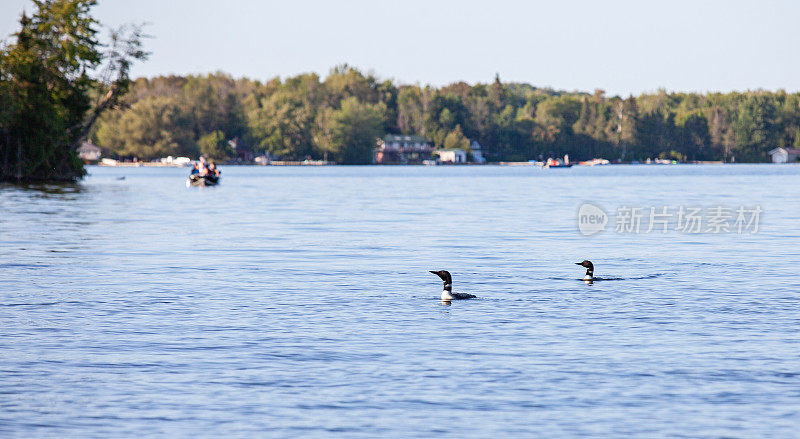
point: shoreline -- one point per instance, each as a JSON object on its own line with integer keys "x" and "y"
{"x": 510, "y": 164}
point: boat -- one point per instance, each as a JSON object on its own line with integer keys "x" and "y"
{"x": 205, "y": 180}
{"x": 557, "y": 163}
{"x": 594, "y": 162}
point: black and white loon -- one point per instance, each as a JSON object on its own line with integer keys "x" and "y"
{"x": 589, "y": 269}
{"x": 447, "y": 293}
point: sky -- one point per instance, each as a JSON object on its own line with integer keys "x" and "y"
{"x": 623, "y": 47}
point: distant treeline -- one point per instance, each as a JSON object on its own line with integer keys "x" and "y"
{"x": 340, "y": 117}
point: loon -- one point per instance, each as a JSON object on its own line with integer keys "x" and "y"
{"x": 589, "y": 269}
{"x": 447, "y": 293}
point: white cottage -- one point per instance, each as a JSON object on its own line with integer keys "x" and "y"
{"x": 785, "y": 155}
{"x": 452, "y": 155}
{"x": 89, "y": 152}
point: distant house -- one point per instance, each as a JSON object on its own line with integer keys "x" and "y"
{"x": 263, "y": 159}
{"x": 477, "y": 152}
{"x": 402, "y": 149}
{"x": 457, "y": 155}
{"x": 241, "y": 153}
{"x": 452, "y": 155}
{"x": 89, "y": 152}
{"x": 785, "y": 155}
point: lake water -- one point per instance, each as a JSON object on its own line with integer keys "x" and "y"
{"x": 296, "y": 302}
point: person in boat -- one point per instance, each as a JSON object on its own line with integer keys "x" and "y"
{"x": 212, "y": 170}
{"x": 199, "y": 170}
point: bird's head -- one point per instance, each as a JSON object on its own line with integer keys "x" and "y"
{"x": 444, "y": 275}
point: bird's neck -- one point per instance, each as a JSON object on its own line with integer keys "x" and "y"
{"x": 448, "y": 287}
{"x": 589, "y": 272}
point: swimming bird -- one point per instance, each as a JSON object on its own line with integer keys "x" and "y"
{"x": 447, "y": 293}
{"x": 589, "y": 269}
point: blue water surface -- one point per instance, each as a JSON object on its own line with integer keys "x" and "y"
{"x": 296, "y": 302}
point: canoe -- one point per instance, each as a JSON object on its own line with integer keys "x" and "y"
{"x": 207, "y": 180}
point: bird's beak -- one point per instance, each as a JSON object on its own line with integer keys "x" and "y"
{"x": 579, "y": 263}
{"x": 435, "y": 272}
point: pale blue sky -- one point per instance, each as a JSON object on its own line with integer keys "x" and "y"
{"x": 618, "y": 45}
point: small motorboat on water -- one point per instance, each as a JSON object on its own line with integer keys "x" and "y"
{"x": 557, "y": 163}
{"x": 205, "y": 180}
{"x": 204, "y": 174}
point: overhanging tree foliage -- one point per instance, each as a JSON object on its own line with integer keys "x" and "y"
{"x": 50, "y": 98}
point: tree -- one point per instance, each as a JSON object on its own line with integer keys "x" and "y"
{"x": 753, "y": 127}
{"x": 152, "y": 128}
{"x": 456, "y": 140}
{"x": 345, "y": 81}
{"x": 410, "y": 111}
{"x": 284, "y": 121}
{"x": 695, "y": 137}
{"x": 214, "y": 146}
{"x": 211, "y": 103}
{"x": 47, "y": 88}
{"x": 354, "y": 128}
{"x": 626, "y": 124}
{"x": 560, "y": 112}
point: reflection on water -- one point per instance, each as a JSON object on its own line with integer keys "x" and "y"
{"x": 297, "y": 302}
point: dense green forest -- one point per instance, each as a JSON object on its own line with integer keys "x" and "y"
{"x": 339, "y": 118}
{"x": 56, "y": 80}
